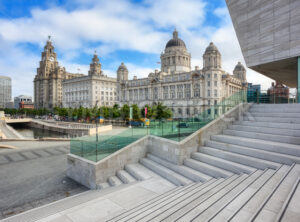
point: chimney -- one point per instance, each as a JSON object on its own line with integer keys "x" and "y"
{"x": 196, "y": 67}
{"x": 135, "y": 77}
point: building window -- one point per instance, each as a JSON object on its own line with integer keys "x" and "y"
{"x": 208, "y": 93}
{"x": 216, "y": 75}
{"x": 215, "y": 83}
{"x": 208, "y": 83}
{"x": 208, "y": 102}
{"x": 216, "y": 93}
{"x": 208, "y": 75}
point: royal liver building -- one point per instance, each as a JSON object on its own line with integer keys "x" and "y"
{"x": 185, "y": 91}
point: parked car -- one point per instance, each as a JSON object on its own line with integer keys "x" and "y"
{"x": 183, "y": 125}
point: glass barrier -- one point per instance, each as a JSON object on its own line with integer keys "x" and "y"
{"x": 175, "y": 129}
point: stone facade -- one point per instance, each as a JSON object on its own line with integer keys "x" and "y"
{"x": 268, "y": 32}
{"x": 89, "y": 91}
{"x": 185, "y": 91}
{"x": 48, "y": 80}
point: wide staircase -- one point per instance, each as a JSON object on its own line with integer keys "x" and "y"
{"x": 250, "y": 172}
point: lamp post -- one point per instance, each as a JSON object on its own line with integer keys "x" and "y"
{"x": 97, "y": 122}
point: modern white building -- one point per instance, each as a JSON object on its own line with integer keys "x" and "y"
{"x": 5, "y": 91}
{"x": 185, "y": 91}
{"x": 91, "y": 90}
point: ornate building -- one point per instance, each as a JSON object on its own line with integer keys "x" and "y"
{"x": 91, "y": 90}
{"x": 186, "y": 91}
{"x": 48, "y": 80}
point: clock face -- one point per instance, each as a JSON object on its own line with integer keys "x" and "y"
{"x": 51, "y": 58}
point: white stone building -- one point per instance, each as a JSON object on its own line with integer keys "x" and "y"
{"x": 177, "y": 86}
{"x": 91, "y": 90}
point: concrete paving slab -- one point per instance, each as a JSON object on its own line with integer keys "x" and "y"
{"x": 94, "y": 212}
{"x": 42, "y": 153}
{"x": 3, "y": 160}
{"x": 30, "y": 155}
{"x": 15, "y": 157}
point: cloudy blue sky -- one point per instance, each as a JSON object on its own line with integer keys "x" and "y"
{"x": 134, "y": 32}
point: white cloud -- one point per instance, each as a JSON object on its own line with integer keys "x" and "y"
{"x": 110, "y": 26}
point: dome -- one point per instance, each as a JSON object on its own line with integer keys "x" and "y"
{"x": 175, "y": 41}
{"x": 239, "y": 67}
{"x": 122, "y": 67}
{"x": 211, "y": 48}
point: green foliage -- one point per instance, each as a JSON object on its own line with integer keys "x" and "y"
{"x": 161, "y": 112}
{"x": 156, "y": 111}
{"x": 125, "y": 111}
{"x": 136, "y": 113}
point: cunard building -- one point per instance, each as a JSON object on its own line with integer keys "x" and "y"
{"x": 185, "y": 91}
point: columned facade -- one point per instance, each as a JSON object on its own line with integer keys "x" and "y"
{"x": 187, "y": 92}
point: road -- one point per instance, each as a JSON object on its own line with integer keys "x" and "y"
{"x": 34, "y": 175}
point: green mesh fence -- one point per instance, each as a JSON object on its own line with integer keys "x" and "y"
{"x": 176, "y": 130}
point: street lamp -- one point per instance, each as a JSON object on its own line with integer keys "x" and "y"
{"x": 97, "y": 121}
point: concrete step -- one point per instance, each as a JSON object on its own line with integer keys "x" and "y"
{"x": 166, "y": 173}
{"x": 277, "y": 147}
{"x": 176, "y": 212}
{"x": 114, "y": 181}
{"x": 274, "y": 202}
{"x": 176, "y": 205}
{"x": 263, "y": 136}
{"x": 103, "y": 185}
{"x": 277, "y": 106}
{"x": 213, "y": 171}
{"x": 292, "y": 126}
{"x": 245, "y": 206}
{"x": 141, "y": 207}
{"x": 272, "y": 119}
{"x": 290, "y": 210}
{"x": 277, "y": 115}
{"x": 139, "y": 172}
{"x": 125, "y": 177}
{"x": 211, "y": 205}
{"x": 148, "y": 213}
{"x": 257, "y": 153}
{"x": 187, "y": 172}
{"x": 221, "y": 163}
{"x": 265, "y": 130}
{"x": 239, "y": 158}
{"x": 215, "y": 211}
{"x": 229, "y": 210}
{"x": 272, "y": 110}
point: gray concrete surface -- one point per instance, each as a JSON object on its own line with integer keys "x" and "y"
{"x": 34, "y": 175}
{"x": 268, "y": 32}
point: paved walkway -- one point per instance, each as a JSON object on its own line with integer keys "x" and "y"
{"x": 97, "y": 205}
{"x": 34, "y": 175}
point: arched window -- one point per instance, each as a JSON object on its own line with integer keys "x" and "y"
{"x": 179, "y": 111}
{"x": 195, "y": 111}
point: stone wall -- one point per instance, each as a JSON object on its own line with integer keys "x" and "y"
{"x": 90, "y": 173}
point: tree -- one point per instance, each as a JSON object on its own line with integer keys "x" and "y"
{"x": 125, "y": 111}
{"x": 136, "y": 114}
{"x": 162, "y": 112}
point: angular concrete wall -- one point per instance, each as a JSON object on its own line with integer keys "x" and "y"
{"x": 268, "y": 31}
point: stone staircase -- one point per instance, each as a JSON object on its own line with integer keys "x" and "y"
{"x": 250, "y": 171}
{"x": 263, "y": 195}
